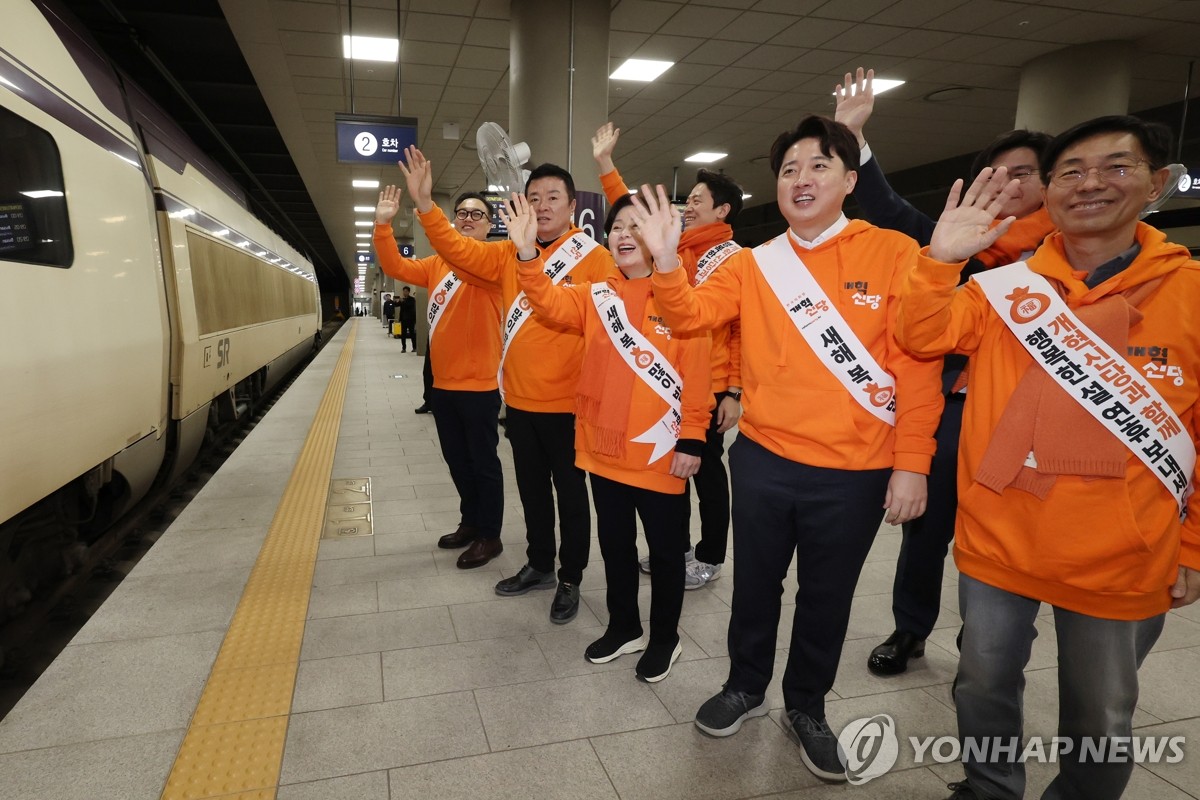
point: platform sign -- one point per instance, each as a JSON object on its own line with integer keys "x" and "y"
{"x": 372, "y": 139}
{"x": 1189, "y": 184}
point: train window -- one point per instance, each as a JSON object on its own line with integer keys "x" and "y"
{"x": 34, "y": 227}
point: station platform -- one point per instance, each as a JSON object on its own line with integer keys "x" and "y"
{"x": 247, "y": 657}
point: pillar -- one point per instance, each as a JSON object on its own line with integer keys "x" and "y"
{"x": 558, "y": 81}
{"x": 1068, "y": 86}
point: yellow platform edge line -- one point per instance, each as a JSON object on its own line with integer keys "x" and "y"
{"x": 234, "y": 744}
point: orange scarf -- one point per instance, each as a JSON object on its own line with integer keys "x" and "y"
{"x": 606, "y": 382}
{"x": 699, "y": 240}
{"x": 1025, "y": 235}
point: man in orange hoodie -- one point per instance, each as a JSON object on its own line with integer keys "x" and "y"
{"x": 838, "y": 426}
{"x": 917, "y": 589}
{"x": 707, "y": 241}
{"x": 1078, "y": 446}
{"x": 539, "y": 371}
{"x": 465, "y": 399}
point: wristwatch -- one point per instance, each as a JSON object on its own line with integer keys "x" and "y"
{"x": 736, "y": 395}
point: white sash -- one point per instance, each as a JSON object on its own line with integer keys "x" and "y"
{"x": 825, "y": 330}
{"x": 439, "y": 298}
{"x": 713, "y": 258}
{"x": 648, "y": 364}
{"x": 1094, "y": 375}
{"x": 558, "y": 265}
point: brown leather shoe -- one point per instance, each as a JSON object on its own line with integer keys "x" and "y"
{"x": 479, "y": 553}
{"x": 460, "y": 538}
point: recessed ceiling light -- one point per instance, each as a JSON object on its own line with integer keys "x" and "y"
{"x": 640, "y": 69}
{"x": 364, "y": 184}
{"x": 362, "y": 223}
{"x": 370, "y": 48}
{"x": 364, "y": 209}
{"x": 363, "y": 235}
{"x": 705, "y": 158}
{"x": 880, "y": 85}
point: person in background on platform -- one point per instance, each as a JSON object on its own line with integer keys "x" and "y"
{"x": 1077, "y": 448}
{"x": 406, "y": 315}
{"x": 539, "y": 372}
{"x": 712, "y": 207}
{"x": 642, "y": 406}
{"x": 917, "y": 590}
{"x": 389, "y": 307}
{"x": 837, "y": 433}
{"x": 464, "y": 322}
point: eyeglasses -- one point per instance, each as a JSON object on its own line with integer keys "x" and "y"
{"x": 1069, "y": 177}
{"x": 470, "y": 213}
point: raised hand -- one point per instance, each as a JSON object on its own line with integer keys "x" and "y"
{"x": 853, "y": 110}
{"x": 418, "y": 174}
{"x": 388, "y": 205}
{"x": 603, "y": 145}
{"x": 659, "y": 226}
{"x": 521, "y": 220}
{"x": 966, "y": 229}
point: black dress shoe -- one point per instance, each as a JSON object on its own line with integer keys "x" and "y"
{"x": 460, "y": 538}
{"x": 526, "y": 580}
{"x": 566, "y": 603}
{"x": 479, "y": 553}
{"x": 423, "y": 409}
{"x": 891, "y": 657}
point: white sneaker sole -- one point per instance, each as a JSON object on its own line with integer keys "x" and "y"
{"x": 674, "y": 657}
{"x": 759, "y": 710}
{"x": 832, "y": 777}
{"x": 633, "y": 646}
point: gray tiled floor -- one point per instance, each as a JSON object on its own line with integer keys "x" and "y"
{"x": 417, "y": 681}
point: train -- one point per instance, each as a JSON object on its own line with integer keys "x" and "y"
{"x": 142, "y": 305}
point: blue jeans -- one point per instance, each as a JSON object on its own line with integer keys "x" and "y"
{"x": 1098, "y": 660}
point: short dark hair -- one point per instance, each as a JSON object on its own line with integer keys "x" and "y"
{"x": 834, "y": 138}
{"x": 723, "y": 189}
{"x": 1013, "y": 140}
{"x": 406, "y": 289}
{"x": 624, "y": 201}
{"x": 552, "y": 171}
{"x": 1154, "y": 137}
{"x": 474, "y": 196}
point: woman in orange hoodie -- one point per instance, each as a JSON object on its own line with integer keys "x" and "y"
{"x": 642, "y": 408}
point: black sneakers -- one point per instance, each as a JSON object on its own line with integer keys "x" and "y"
{"x": 655, "y": 664}
{"x": 819, "y": 748}
{"x": 962, "y": 791}
{"x": 723, "y": 713}
{"x": 566, "y": 603}
{"x": 526, "y": 580}
{"x": 614, "y": 644}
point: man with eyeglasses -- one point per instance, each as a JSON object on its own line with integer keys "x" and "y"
{"x": 464, "y": 351}
{"x": 1078, "y": 447}
{"x": 917, "y": 588}
{"x": 540, "y": 365}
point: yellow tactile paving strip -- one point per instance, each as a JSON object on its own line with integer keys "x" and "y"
{"x": 234, "y": 745}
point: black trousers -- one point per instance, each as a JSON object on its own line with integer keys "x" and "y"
{"x": 408, "y": 330}
{"x": 543, "y": 447}
{"x": 917, "y": 591}
{"x": 827, "y": 518}
{"x": 712, "y": 490}
{"x": 616, "y": 526}
{"x": 427, "y": 378}
{"x": 469, "y": 435}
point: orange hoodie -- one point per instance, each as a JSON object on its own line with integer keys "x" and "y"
{"x": 467, "y": 355}
{"x": 1106, "y": 547}
{"x": 727, "y": 339}
{"x": 542, "y": 368}
{"x": 572, "y": 307}
{"x": 794, "y": 406}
